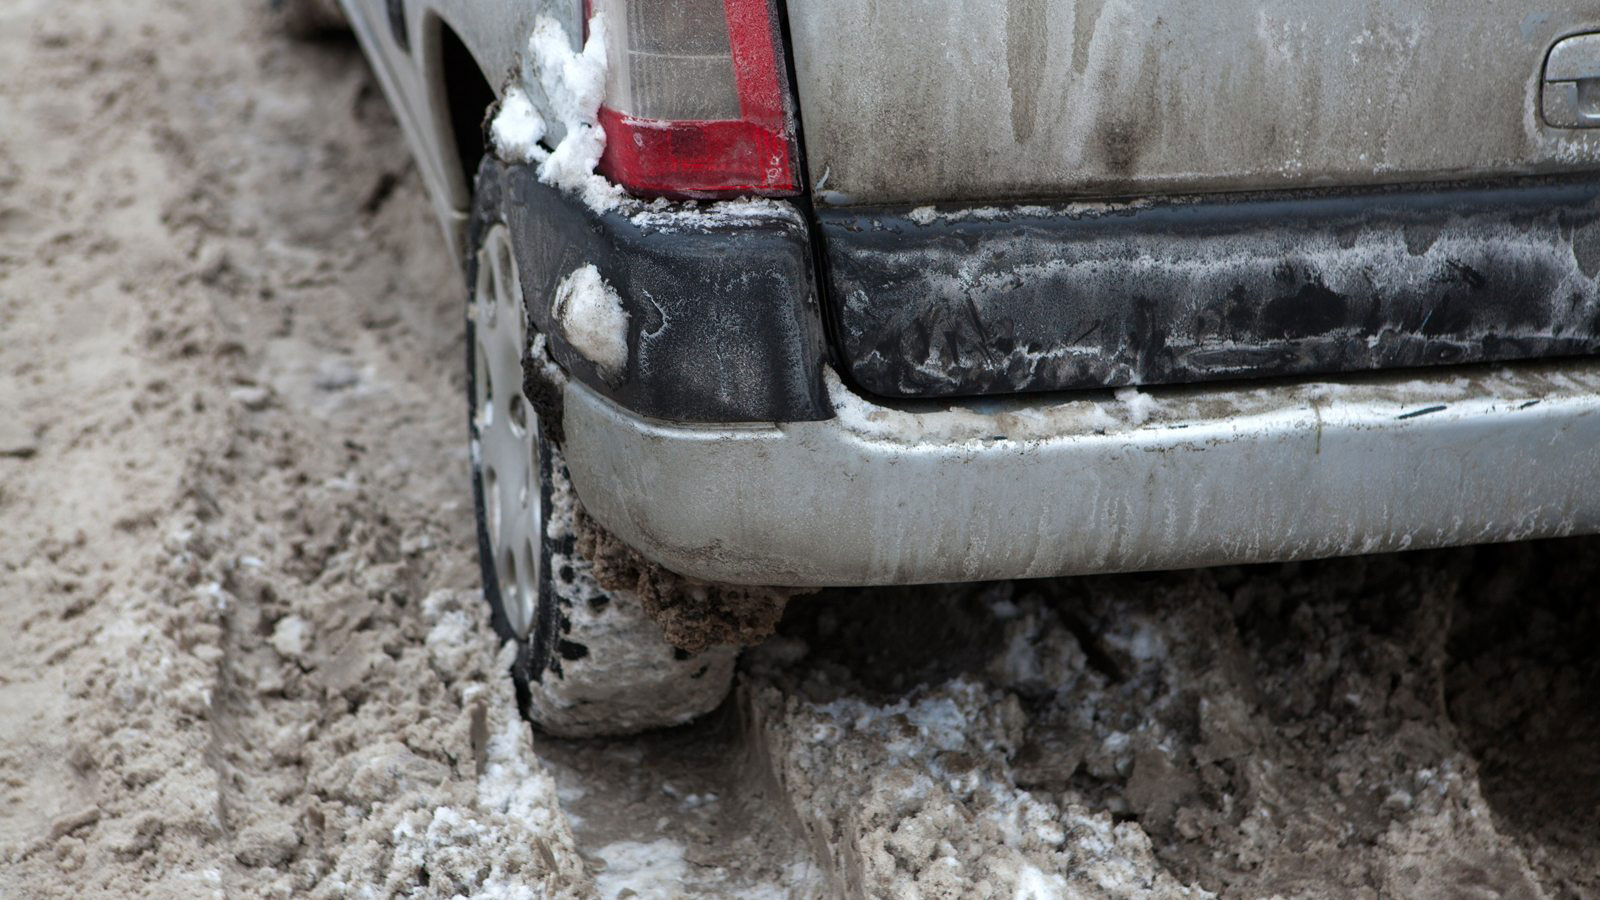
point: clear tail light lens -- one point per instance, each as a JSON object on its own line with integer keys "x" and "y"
{"x": 697, "y": 100}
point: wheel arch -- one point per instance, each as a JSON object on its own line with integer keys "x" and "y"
{"x": 459, "y": 95}
{"x": 468, "y": 50}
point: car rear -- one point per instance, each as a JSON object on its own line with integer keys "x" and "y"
{"x": 1048, "y": 288}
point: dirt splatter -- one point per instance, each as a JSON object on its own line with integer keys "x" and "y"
{"x": 694, "y": 615}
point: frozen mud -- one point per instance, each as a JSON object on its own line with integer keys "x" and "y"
{"x": 1300, "y": 730}
{"x": 242, "y": 651}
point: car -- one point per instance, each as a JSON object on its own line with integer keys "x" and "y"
{"x": 767, "y": 296}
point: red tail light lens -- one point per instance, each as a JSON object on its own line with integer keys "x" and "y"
{"x": 697, "y": 101}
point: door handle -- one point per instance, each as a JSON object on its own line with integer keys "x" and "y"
{"x": 1572, "y": 83}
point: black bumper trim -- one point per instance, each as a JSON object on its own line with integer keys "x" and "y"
{"x": 1049, "y": 298}
{"x": 724, "y": 322}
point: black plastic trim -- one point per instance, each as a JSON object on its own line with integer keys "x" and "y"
{"x": 724, "y": 324}
{"x": 1040, "y": 298}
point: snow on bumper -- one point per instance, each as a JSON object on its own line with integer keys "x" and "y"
{"x": 1169, "y": 478}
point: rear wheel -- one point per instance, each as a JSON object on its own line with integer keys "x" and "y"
{"x": 590, "y": 660}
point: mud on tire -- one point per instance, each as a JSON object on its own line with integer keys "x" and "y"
{"x": 590, "y": 661}
{"x": 602, "y": 665}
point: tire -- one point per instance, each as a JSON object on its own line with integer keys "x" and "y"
{"x": 590, "y": 661}
{"x": 308, "y": 18}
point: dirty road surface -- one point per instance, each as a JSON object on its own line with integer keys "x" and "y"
{"x": 242, "y": 651}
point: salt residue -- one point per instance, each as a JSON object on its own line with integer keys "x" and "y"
{"x": 927, "y": 215}
{"x": 956, "y": 423}
{"x": 669, "y": 216}
{"x": 591, "y": 316}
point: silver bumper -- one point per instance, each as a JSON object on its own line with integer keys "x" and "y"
{"x": 1167, "y": 478}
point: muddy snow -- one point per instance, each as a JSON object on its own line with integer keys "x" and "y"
{"x": 242, "y": 650}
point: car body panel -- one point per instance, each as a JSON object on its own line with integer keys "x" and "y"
{"x": 495, "y": 33}
{"x": 948, "y": 100}
{"x": 925, "y": 107}
{"x": 723, "y": 323}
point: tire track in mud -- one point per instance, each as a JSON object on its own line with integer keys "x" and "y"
{"x": 247, "y": 662}
{"x": 1365, "y": 726}
{"x": 303, "y": 696}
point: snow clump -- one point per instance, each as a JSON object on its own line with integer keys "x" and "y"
{"x": 591, "y": 316}
{"x": 574, "y": 83}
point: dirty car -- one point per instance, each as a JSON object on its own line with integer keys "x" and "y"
{"x": 768, "y": 296}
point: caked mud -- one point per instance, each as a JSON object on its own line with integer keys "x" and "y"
{"x": 693, "y": 615}
{"x": 244, "y": 653}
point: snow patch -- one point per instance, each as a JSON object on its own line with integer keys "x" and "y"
{"x": 590, "y": 315}
{"x": 516, "y": 806}
{"x": 574, "y": 85}
{"x": 924, "y": 788}
{"x": 656, "y": 869}
{"x": 291, "y": 636}
{"x": 518, "y": 128}
{"x": 1139, "y": 404}
{"x": 1034, "y": 884}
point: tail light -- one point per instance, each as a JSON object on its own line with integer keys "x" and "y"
{"x": 697, "y": 99}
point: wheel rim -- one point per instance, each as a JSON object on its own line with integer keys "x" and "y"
{"x": 506, "y": 431}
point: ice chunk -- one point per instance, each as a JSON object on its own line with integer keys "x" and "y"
{"x": 1139, "y": 404}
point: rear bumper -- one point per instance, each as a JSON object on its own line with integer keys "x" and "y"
{"x": 1057, "y": 297}
{"x": 723, "y": 323}
{"x": 1170, "y": 478}
{"x": 726, "y": 316}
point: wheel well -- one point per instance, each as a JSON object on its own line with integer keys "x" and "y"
{"x": 467, "y": 97}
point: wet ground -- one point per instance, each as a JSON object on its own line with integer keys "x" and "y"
{"x": 243, "y": 651}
